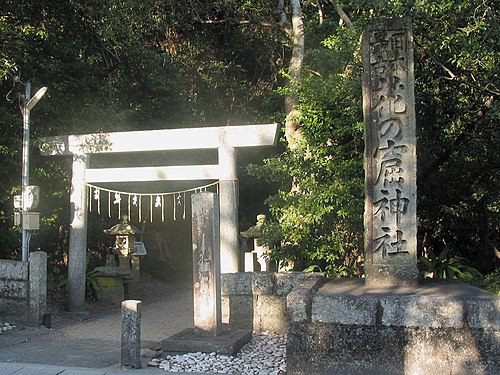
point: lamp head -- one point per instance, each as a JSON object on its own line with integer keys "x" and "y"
{"x": 34, "y": 100}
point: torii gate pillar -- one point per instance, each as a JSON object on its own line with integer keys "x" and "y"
{"x": 77, "y": 235}
{"x": 228, "y": 191}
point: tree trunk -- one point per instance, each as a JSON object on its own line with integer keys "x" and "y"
{"x": 343, "y": 16}
{"x": 296, "y": 32}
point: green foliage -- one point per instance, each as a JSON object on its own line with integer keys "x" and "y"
{"x": 116, "y": 66}
{"x": 445, "y": 265}
{"x": 492, "y": 282}
{"x": 457, "y": 87}
{"x": 457, "y": 91}
{"x": 119, "y": 65}
{"x": 320, "y": 224}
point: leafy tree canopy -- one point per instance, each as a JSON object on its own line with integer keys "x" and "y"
{"x": 320, "y": 222}
{"x": 117, "y": 65}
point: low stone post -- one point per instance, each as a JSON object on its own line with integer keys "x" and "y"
{"x": 131, "y": 334}
{"x": 37, "y": 287}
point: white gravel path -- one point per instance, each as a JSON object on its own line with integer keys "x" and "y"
{"x": 4, "y": 326}
{"x": 264, "y": 355}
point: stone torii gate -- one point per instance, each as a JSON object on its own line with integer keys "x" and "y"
{"x": 225, "y": 139}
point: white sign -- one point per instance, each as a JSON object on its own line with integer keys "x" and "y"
{"x": 32, "y": 197}
{"x": 139, "y": 249}
{"x": 18, "y": 202}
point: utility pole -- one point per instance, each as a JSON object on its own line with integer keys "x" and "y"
{"x": 27, "y": 104}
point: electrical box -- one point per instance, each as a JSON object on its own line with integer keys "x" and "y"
{"x": 31, "y": 220}
{"x": 17, "y": 218}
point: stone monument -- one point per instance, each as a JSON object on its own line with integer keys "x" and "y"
{"x": 131, "y": 334}
{"x": 206, "y": 265}
{"x": 387, "y": 324}
{"x": 208, "y": 334}
{"x": 390, "y": 155}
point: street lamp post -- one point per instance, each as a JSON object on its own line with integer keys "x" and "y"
{"x": 27, "y": 105}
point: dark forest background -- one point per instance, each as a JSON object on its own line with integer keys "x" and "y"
{"x": 114, "y": 65}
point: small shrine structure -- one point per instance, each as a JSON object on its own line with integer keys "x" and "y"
{"x": 225, "y": 139}
{"x": 260, "y": 252}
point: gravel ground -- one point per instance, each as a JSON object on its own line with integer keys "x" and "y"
{"x": 264, "y": 355}
{"x": 5, "y": 326}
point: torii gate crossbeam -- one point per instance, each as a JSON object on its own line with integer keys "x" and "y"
{"x": 225, "y": 139}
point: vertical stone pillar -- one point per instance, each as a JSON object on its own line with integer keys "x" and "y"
{"x": 206, "y": 264}
{"x": 228, "y": 192}
{"x": 77, "y": 235}
{"x": 131, "y": 334}
{"x": 390, "y": 154}
{"x": 37, "y": 287}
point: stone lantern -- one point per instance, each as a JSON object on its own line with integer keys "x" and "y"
{"x": 260, "y": 252}
{"x": 124, "y": 244}
{"x": 122, "y": 281}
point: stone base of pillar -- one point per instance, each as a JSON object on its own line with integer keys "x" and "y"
{"x": 188, "y": 341}
{"x": 438, "y": 327}
{"x": 391, "y": 275}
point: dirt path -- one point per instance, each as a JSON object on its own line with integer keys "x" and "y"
{"x": 95, "y": 342}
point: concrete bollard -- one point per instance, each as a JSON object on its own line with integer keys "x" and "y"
{"x": 131, "y": 334}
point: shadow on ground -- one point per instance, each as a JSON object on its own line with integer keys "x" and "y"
{"x": 167, "y": 308}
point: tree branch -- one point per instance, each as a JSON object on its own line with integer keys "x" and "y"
{"x": 343, "y": 16}
{"x": 284, "y": 23}
{"x": 281, "y": 11}
{"x": 235, "y": 21}
{"x": 321, "y": 11}
{"x": 452, "y": 76}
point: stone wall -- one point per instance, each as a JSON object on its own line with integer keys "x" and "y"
{"x": 23, "y": 289}
{"x": 348, "y": 328}
{"x": 258, "y": 300}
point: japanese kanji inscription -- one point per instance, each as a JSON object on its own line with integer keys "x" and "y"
{"x": 390, "y": 154}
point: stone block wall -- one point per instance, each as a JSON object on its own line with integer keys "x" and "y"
{"x": 23, "y": 289}
{"x": 437, "y": 328}
{"x": 258, "y": 300}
